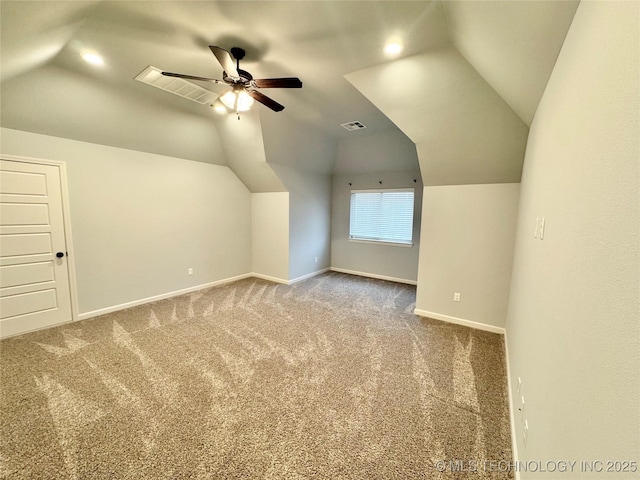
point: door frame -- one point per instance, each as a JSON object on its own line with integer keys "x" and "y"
{"x": 66, "y": 215}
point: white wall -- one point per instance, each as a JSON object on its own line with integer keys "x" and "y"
{"x": 573, "y": 324}
{"x": 468, "y": 234}
{"x": 398, "y": 262}
{"x": 270, "y": 235}
{"x": 309, "y": 220}
{"x": 140, "y": 220}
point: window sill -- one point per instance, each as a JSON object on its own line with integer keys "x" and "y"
{"x": 380, "y": 242}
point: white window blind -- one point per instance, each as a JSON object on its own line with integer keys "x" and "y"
{"x": 382, "y": 215}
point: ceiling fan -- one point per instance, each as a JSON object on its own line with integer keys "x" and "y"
{"x": 243, "y": 86}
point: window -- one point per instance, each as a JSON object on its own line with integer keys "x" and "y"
{"x": 382, "y": 216}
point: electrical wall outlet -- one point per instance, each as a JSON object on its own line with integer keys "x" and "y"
{"x": 316, "y": 259}
{"x": 456, "y": 296}
{"x": 190, "y": 271}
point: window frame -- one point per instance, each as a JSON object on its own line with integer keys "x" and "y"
{"x": 398, "y": 243}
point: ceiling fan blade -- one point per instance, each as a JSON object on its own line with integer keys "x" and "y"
{"x": 263, "y": 99}
{"x": 225, "y": 60}
{"x": 290, "y": 82}
{"x": 192, "y": 77}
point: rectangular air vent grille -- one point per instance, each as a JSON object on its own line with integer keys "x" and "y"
{"x": 355, "y": 125}
{"x": 178, "y": 86}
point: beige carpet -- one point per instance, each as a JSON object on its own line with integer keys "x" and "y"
{"x": 331, "y": 378}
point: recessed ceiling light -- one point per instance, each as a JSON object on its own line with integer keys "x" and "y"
{"x": 393, "y": 48}
{"x": 93, "y": 58}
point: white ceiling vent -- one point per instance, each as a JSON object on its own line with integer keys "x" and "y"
{"x": 355, "y": 125}
{"x": 153, "y": 76}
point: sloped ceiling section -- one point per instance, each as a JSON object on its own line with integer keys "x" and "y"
{"x": 46, "y": 88}
{"x": 297, "y": 144}
{"x": 465, "y": 133}
{"x": 33, "y": 37}
{"x": 244, "y": 147}
{"x": 513, "y": 45}
{"x": 55, "y": 101}
{"x": 389, "y": 151}
{"x": 318, "y": 41}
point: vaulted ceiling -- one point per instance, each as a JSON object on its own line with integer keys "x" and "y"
{"x": 469, "y": 70}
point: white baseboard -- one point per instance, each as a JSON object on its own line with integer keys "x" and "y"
{"x": 288, "y": 282}
{"x": 308, "y": 275}
{"x": 512, "y": 411}
{"x": 374, "y": 275}
{"x": 269, "y": 278}
{"x": 459, "y": 321}
{"x": 155, "y": 298}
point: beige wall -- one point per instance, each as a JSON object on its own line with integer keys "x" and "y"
{"x": 140, "y": 220}
{"x": 573, "y": 324}
{"x": 398, "y": 262}
{"x": 270, "y": 235}
{"x": 468, "y": 234}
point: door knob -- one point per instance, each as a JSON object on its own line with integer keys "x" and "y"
{"x": 60, "y": 254}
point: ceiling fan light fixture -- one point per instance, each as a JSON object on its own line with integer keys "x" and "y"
{"x": 218, "y": 107}
{"x": 228, "y": 98}
{"x": 237, "y": 100}
{"x": 244, "y": 101}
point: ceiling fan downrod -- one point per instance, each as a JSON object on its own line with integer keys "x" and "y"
{"x": 238, "y": 53}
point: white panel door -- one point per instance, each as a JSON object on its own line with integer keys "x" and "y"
{"x": 34, "y": 278}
